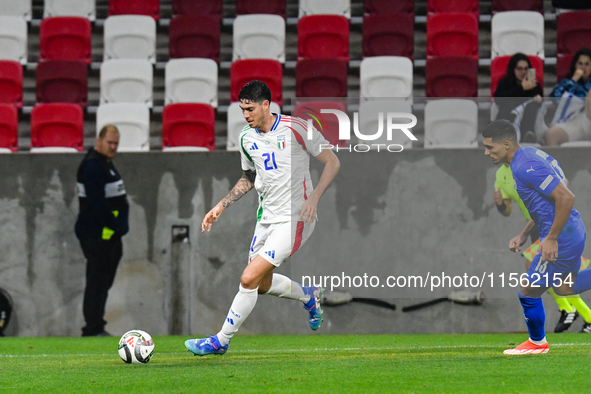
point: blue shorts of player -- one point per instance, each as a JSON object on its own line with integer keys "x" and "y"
{"x": 550, "y": 273}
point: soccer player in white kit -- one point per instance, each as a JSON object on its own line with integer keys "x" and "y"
{"x": 274, "y": 151}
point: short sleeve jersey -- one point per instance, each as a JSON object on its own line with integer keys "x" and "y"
{"x": 281, "y": 160}
{"x": 506, "y": 183}
{"x": 536, "y": 175}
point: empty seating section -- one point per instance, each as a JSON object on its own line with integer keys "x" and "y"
{"x": 194, "y": 36}
{"x": 386, "y": 76}
{"x": 326, "y": 123}
{"x": 438, "y": 6}
{"x": 388, "y": 35}
{"x": 321, "y": 78}
{"x": 127, "y": 80}
{"x": 20, "y": 8}
{"x": 374, "y": 111}
{"x": 130, "y": 36}
{"x": 65, "y": 37}
{"x": 62, "y": 81}
{"x": 517, "y": 31}
{"x": 11, "y": 83}
{"x": 188, "y": 126}
{"x": 266, "y": 70}
{"x": 133, "y": 122}
{"x": 451, "y": 76}
{"x": 277, "y": 7}
{"x": 13, "y": 38}
{"x": 325, "y": 7}
{"x": 388, "y": 6}
{"x": 573, "y": 32}
{"x": 191, "y": 81}
{"x": 135, "y": 7}
{"x": 56, "y": 128}
{"x": 451, "y": 123}
{"x": 197, "y": 7}
{"x": 323, "y": 36}
{"x": 498, "y": 68}
{"x": 521, "y": 5}
{"x": 83, "y": 8}
{"x": 8, "y": 128}
{"x": 253, "y": 42}
{"x": 452, "y": 34}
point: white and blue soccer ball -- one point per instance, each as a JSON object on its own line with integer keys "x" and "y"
{"x": 136, "y": 347}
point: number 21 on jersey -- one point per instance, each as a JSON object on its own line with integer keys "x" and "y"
{"x": 270, "y": 163}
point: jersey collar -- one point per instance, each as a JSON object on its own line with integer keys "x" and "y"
{"x": 275, "y": 124}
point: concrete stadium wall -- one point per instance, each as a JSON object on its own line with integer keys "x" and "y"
{"x": 385, "y": 213}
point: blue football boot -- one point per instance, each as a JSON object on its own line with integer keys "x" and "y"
{"x": 205, "y": 346}
{"x": 313, "y": 306}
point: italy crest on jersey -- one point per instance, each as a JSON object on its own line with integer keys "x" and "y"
{"x": 281, "y": 142}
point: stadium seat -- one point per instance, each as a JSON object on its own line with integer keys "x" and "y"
{"x": 323, "y": 36}
{"x": 188, "y": 125}
{"x": 236, "y": 123}
{"x": 325, "y": 7}
{"x": 62, "y": 81}
{"x": 194, "y": 36}
{"x": 8, "y": 128}
{"x": 266, "y": 70}
{"x": 83, "y": 8}
{"x": 517, "y": 31}
{"x": 522, "y": 5}
{"x": 451, "y": 76}
{"x": 57, "y": 125}
{"x": 65, "y": 37}
{"x": 20, "y": 8}
{"x": 321, "y": 78}
{"x": 276, "y": 7}
{"x": 133, "y": 122}
{"x": 388, "y": 35}
{"x": 386, "y": 76}
{"x": 451, "y": 123}
{"x": 13, "y": 39}
{"x": 440, "y": 6}
{"x": 252, "y": 42}
{"x": 389, "y": 7}
{"x": 563, "y": 66}
{"x": 567, "y": 5}
{"x": 498, "y": 68}
{"x": 452, "y": 34}
{"x": 573, "y": 32}
{"x": 329, "y": 124}
{"x": 127, "y": 80}
{"x": 130, "y": 37}
{"x": 191, "y": 81}
{"x": 369, "y": 117}
{"x": 135, "y": 7}
{"x": 197, "y": 8}
{"x": 11, "y": 83}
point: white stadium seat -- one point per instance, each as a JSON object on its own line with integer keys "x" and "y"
{"x": 369, "y": 120}
{"x": 82, "y": 8}
{"x": 191, "y": 80}
{"x": 236, "y": 123}
{"x": 517, "y": 31}
{"x": 451, "y": 123}
{"x": 126, "y": 80}
{"x": 386, "y": 76}
{"x": 21, "y": 8}
{"x": 133, "y": 122}
{"x": 252, "y": 41}
{"x": 130, "y": 37}
{"x": 325, "y": 7}
{"x": 13, "y": 39}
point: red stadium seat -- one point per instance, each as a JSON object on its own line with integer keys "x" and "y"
{"x": 389, "y": 6}
{"x": 388, "y": 35}
{"x": 452, "y": 76}
{"x": 329, "y": 123}
{"x": 62, "y": 81}
{"x": 452, "y": 34}
{"x": 195, "y": 36}
{"x": 521, "y": 5}
{"x": 65, "y": 37}
{"x": 323, "y": 36}
{"x": 198, "y": 7}
{"x": 8, "y": 128}
{"x": 439, "y": 6}
{"x": 266, "y": 70}
{"x": 498, "y": 68}
{"x": 276, "y": 7}
{"x": 321, "y": 78}
{"x": 11, "y": 83}
{"x": 57, "y": 125}
{"x": 135, "y": 7}
{"x": 188, "y": 125}
{"x": 573, "y": 31}
{"x": 563, "y": 66}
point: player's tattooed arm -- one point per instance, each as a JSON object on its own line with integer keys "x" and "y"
{"x": 243, "y": 186}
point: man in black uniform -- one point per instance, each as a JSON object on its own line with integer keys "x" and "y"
{"x": 102, "y": 221}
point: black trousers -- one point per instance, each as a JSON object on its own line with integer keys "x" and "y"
{"x": 102, "y": 260}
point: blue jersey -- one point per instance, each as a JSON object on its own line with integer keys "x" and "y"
{"x": 536, "y": 175}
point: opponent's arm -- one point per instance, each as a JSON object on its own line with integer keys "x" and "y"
{"x": 564, "y": 200}
{"x": 243, "y": 186}
{"x": 331, "y": 168}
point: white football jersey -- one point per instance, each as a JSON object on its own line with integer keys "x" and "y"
{"x": 280, "y": 159}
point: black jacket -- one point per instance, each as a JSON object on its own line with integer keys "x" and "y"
{"x": 510, "y": 95}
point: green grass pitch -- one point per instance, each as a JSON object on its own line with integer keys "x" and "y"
{"x": 462, "y": 363}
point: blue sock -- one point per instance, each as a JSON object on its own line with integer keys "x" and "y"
{"x": 535, "y": 316}
{"x": 582, "y": 282}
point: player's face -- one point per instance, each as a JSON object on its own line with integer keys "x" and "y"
{"x": 497, "y": 151}
{"x": 254, "y": 113}
{"x": 108, "y": 146}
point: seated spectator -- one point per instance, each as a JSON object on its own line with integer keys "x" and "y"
{"x": 515, "y": 89}
{"x": 572, "y": 121}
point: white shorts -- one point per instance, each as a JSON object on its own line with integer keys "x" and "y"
{"x": 578, "y": 129}
{"x": 275, "y": 242}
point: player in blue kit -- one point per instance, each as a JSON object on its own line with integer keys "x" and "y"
{"x": 541, "y": 184}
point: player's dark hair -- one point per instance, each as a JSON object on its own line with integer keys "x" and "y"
{"x": 500, "y": 130}
{"x": 256, "y": 92}
{"x": 573, "y": 63}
